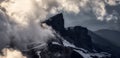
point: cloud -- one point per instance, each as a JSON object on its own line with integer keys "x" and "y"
{"x": 42, "y": 8}
{"x": 23, "y": 17}
{"x": 11, "y": 53}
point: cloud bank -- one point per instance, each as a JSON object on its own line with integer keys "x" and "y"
{"x": 22, "y": 17}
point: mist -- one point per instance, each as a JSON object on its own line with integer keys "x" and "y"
{"x": 21, "y": 19}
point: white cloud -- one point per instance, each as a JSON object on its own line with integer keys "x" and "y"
{"x": 26, "y": 14}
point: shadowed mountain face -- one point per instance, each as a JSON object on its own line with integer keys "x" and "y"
{"x": 110, "y": 35}
{"x": 102, "y": 44}
{"x": 71, "y": 42}
{"x": 57, "y": 22}
{"x": 78, "y": 36}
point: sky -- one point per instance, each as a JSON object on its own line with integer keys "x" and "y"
{"x": 21, "y": 19}
{"x": 89, "y": 20}
{"x": 93, "y": 14}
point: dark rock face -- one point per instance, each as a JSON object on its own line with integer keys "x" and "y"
{"x": 75, "y": 55}
{"x": 79, "y": 36}
{"x": 57, "y": 22}
{"x": 51, "y": 51}
{"x": 57, "y": 51}
{"x": 76, "y": 35}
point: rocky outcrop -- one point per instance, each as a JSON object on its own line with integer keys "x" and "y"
{"x": 79, "y": 37}
{"x": 74, "y": 42}
{"x": 76, "y": 35}
{"x": 57, "y": 22}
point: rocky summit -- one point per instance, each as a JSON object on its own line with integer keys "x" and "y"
{"x": 72, "y": 42}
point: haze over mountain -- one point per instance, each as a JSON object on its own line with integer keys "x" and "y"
{"x": 110, "y": 35}
{"x": 28, "y": 28}
{"x": 67, "y": 42}
{"x": 102, "y": 43}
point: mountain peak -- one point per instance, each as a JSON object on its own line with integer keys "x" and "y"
{"x": 57, "y": 22}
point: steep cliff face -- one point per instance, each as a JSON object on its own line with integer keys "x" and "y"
{"x": 57, "y": 22}
{"x": 76, "y": 39}
{"x": 79, "y": 37}
{"x": 76, "y": 35}
{"x": 72, "y": 42}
